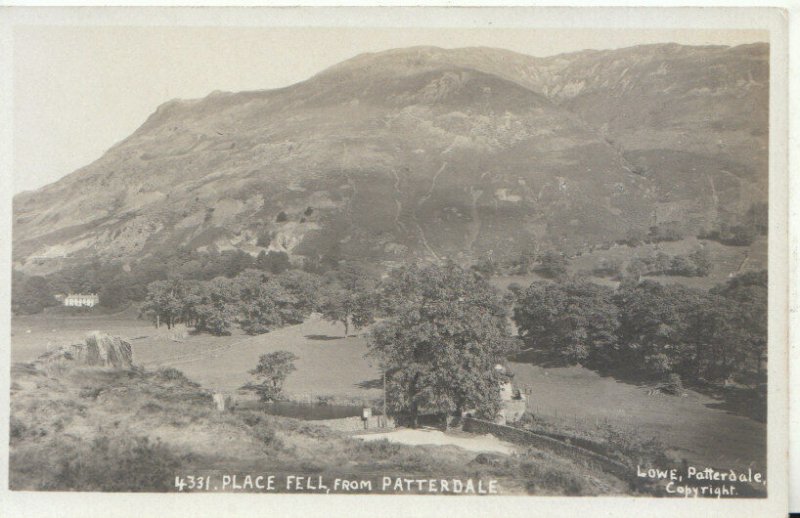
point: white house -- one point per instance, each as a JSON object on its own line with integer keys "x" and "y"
{"x": 81, "y": 300}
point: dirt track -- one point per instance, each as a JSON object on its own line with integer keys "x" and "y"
{"x": 476, "y": 443}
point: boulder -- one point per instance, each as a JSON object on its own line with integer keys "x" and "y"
{"x": 99, "y": 349}
{"x": 105, "y": 351}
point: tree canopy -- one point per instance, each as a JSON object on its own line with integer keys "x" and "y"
{"x": 651, "y": 328}
{"x": 348, "y": 296}
{"x": 576, "y": 320}
{"x": 445, "y": 333}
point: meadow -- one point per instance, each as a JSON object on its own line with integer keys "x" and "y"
{"x": 328, "y": 364}
{"x": 581, "y": 402}
{"x": 694, "y": 427}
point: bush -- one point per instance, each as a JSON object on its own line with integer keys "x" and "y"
{"x": 380, "y": 450}
{"x": 108, "y": 463}
{"x": 631, "y": 449}
{"x": 607, "y": 268}
{"x": 696, "y": 264}
{"x": 268, "y": 437}
{"x": 736, "y": 235}
{"x": 171, "y": 374}
{"x": 552, "y": 265}
{"x": 551, "y": 479}
{"x": 17, "y": 429}
{"x": 273, "y": 262}
{"x": 673, "y": 385}
{"x": 668, "y": 231}
{"x": 264, "y": 239}
{"x": 30, "y": 295}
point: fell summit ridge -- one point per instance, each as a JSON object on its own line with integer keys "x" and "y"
{"x": 466, "y": 152}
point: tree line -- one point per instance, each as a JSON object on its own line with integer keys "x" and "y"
{"x": 651, "y": 329}
{"x": 440, "y": 330}
{"x": 259, "y": 301}
{"x": 120, "y": 284}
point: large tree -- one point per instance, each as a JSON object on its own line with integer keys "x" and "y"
{"x": 577, "y": 320}
{"x": 267, "y": 303}
{"x": 748, "y": 292}
{"x": 217, "y": 307}
{"x": 164, "y": 302}
{"x": 653, "y": 322}
{"x": 447, "y": 330}
{"x": 348, "y": 296}
{"x": 30, "y": 294}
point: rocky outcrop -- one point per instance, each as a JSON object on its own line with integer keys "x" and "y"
{"x": 106, "y": 351}
{"x": 98, "y": 350}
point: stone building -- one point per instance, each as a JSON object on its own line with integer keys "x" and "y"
{"x": 81, "y": 300}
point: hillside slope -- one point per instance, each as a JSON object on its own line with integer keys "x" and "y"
{"x": 426, "y": 152}
{"x": 98, "y": 429}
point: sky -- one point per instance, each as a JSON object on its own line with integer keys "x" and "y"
{"x": 78, "y": 90}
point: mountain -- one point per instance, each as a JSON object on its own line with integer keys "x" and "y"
{"x": 426, "y": 152}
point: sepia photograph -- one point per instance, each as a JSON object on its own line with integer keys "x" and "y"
{"x": 343, "y": 252}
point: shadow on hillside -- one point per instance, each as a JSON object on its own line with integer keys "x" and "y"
{"x": 745, "y": 402}
{"x": 629, "y": 375}
{"x": 552, "y": 360}
{"x": 370, "y": 384}
{"x": 324, "y": 337}
{"x": 546, "y": 359}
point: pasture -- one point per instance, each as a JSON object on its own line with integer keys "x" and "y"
{"x": 691, "y": 427}
{"x": 328, "y": 363}
{"x": 695, "y": 427}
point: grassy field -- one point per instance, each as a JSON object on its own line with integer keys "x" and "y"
{"x": 691, "y": 427}
{"x": 328, "y": 363}
{"x": 695, "y": 427}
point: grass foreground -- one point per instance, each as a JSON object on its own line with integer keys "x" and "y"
{"x": 97, "y": 429}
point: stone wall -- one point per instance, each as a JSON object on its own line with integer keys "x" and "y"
{"x": 528, "y": 438}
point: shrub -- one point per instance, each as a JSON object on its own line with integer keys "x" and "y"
{"x": 668, "y": 231}
{"x": 267, "y": 436}
{"x": 539, "y": 477}
{"x": 171, "y": 374}
{"x": 552, "y": 265}
{"x": 673, "y": 385}
{"x": 264, "y": 239}
{"x": 736, "y": 235}
{"x": 108, "y": 463}
{"x": 607, "y": 267}
{"x": 17, "y": 429}
{"x": 631, "y": 449}
{"x": 380, "y": 450}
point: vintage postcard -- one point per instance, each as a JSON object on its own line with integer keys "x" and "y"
{"x": 395, "y": 262}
